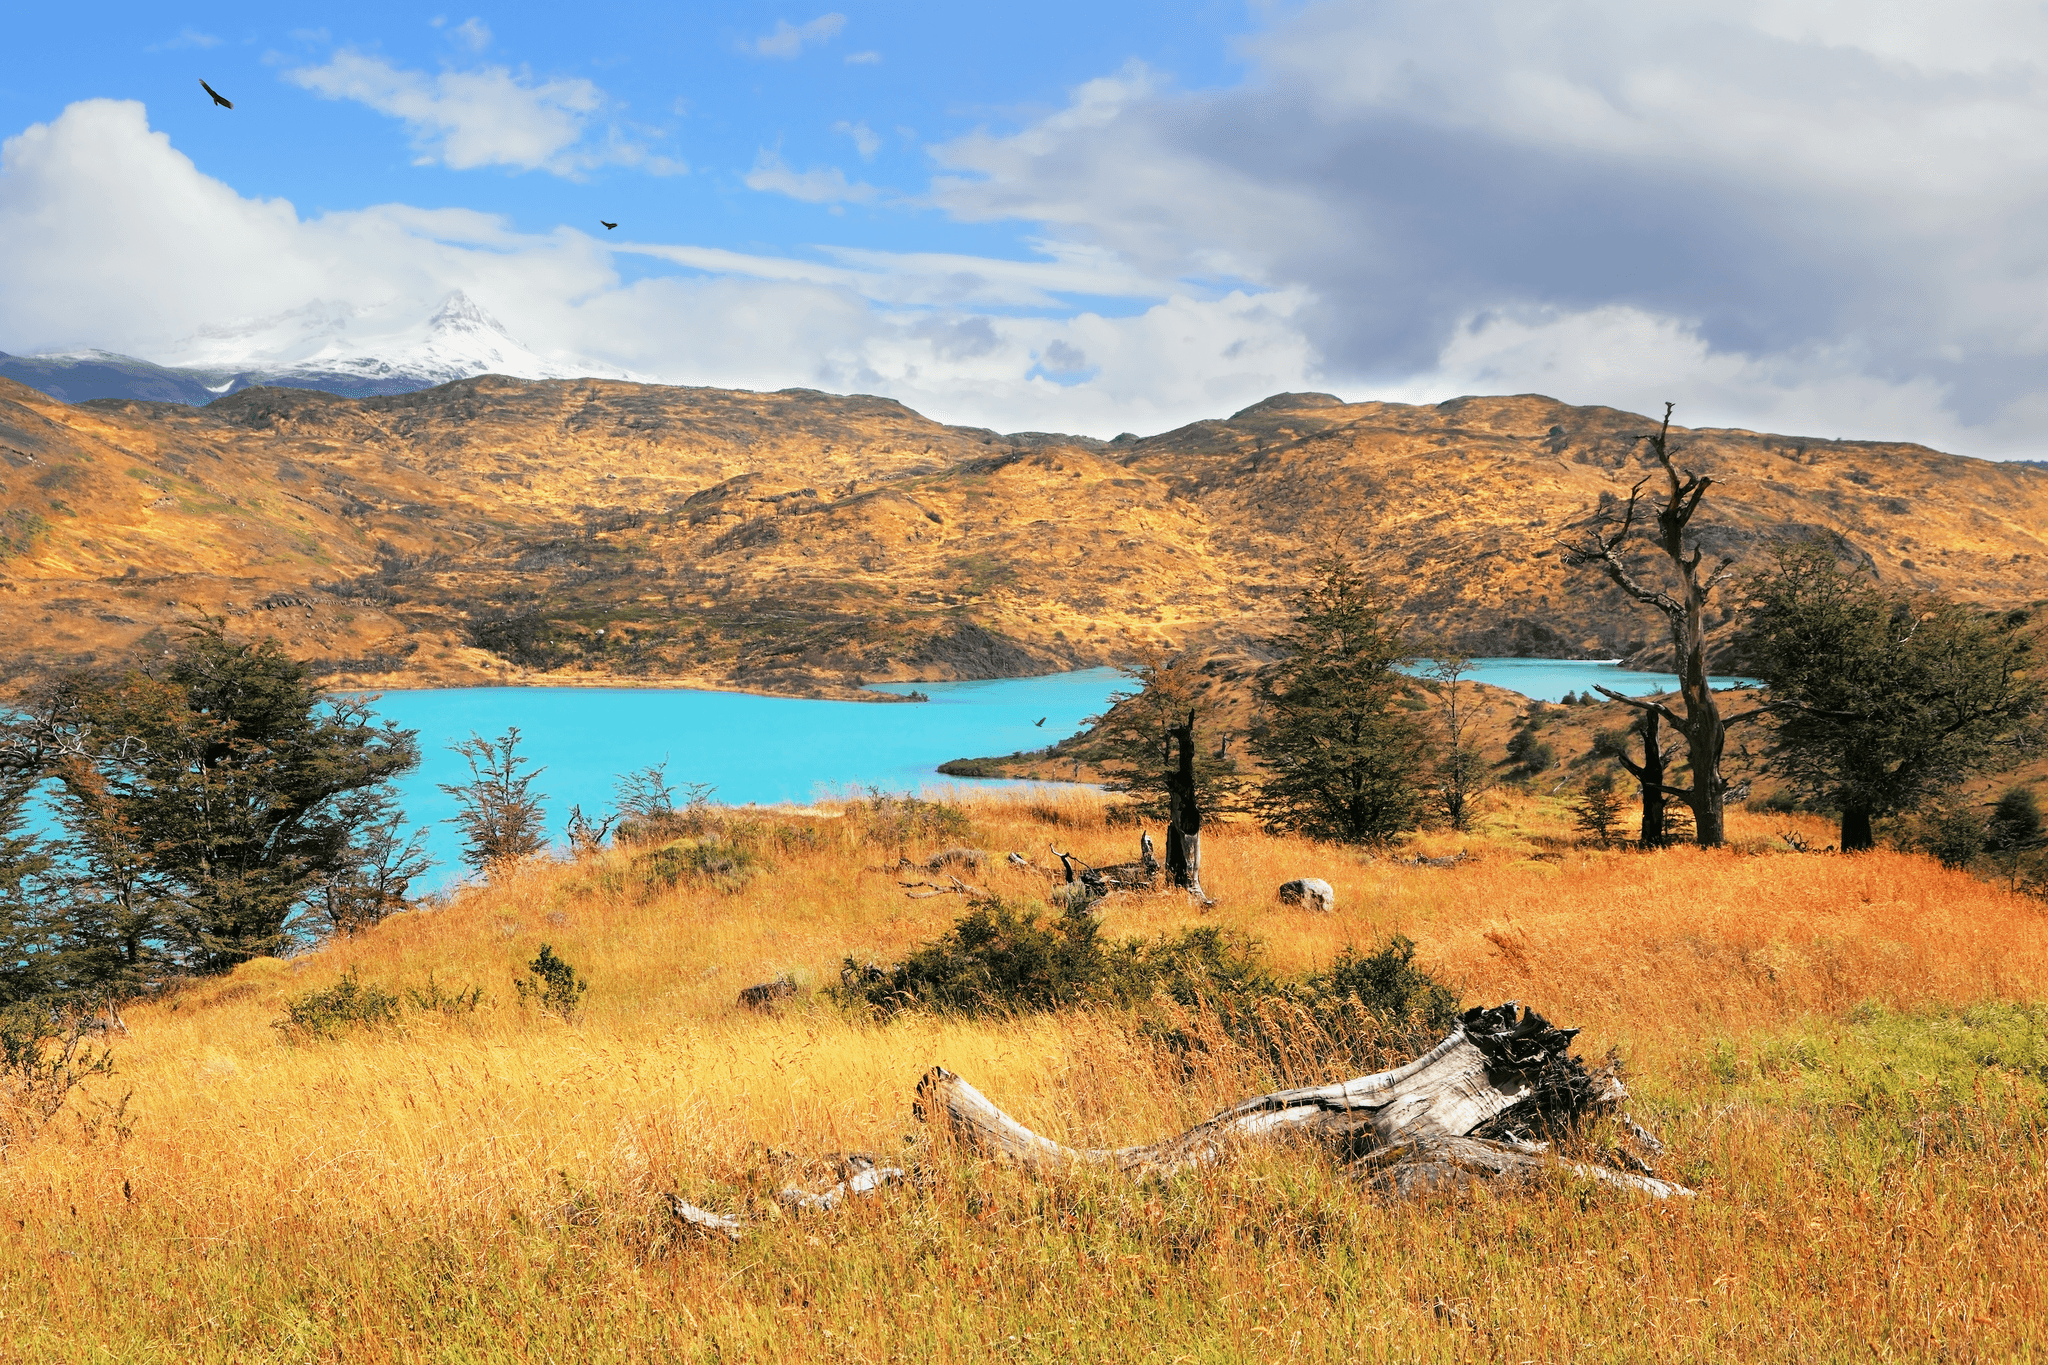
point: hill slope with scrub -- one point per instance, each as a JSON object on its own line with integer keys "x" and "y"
{"x": 497, "y": 530}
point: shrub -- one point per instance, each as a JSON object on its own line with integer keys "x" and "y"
{"x": 555, "y": 988}
{"x": 898, "y": 821}
{"x": 1389, "y": 984}
{"x": 1529, "y": 753}
{"x": 1598, "y": 809}
{"x": 347, "y": 1004}
{"x": 1194, "y": 990}
{"x": 43, "y": 1057}
{"x": 1001, "y": 957}
{"x": 433, "y": 998}
{"x": 723, "y": 863}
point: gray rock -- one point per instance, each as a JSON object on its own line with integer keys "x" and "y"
{"x": 1310, "y": 893}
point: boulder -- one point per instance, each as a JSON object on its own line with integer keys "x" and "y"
{"x": 1310, "y": 893}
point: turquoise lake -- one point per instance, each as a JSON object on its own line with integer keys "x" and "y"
{"x": 774, "y": 749}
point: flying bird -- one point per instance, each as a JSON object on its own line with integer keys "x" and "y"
{"x": 1041, "y": 720}
{"x": 222, "y": 100}
{"x": 607, "y": 226}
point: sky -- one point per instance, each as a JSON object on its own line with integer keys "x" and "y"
{"x": 1804, "y": 216}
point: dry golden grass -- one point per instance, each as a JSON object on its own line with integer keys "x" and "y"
{"x": 1806, "y": 1030}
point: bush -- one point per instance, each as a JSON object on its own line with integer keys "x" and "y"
{"x": 724, "y": 863}
{"x": 1201, "y": 984}
{"x": 433, "y": 998}
{"x": 555, "y": 988}
{"x": 348, "y": 1004}
{"x": 2015, "y": 823}
{"x": 1597, "y": 811}
{"x": 43, "y": 1057}
{"x": 1529, "y": 753}
{"x": 1000, "y": 957}
{"x": 898, "y": 821}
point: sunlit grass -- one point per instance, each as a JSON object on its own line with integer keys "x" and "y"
{"x": 1840, "y": 1052}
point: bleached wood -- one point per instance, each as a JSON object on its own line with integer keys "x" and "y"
{"x": 1419, "y": 1116}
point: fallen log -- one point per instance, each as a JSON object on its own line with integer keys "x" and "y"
{"x": 1462, "y": 1109}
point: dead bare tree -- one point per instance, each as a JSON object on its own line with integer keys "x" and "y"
{"x": 1702, "y": 725}
{"x": 1184, "y": 833}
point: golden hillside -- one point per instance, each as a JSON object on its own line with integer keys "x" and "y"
{"x": 1845, "y": 1057}
{"x": 592, "y": 531}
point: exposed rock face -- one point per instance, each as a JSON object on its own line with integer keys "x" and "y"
{"x": 602, "y": 531}
{"x": 1310, "y": 893}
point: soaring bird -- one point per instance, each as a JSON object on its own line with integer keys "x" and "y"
{"x": 607, "y": 226}
{"x": 1041, "y": 720}
{"x": 222, "y": 100}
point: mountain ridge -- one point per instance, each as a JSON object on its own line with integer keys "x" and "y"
{"x": 495, "y": 530}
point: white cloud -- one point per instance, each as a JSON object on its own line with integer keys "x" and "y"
{"x": 818, "y": 185}
{"x": 490, "y": 116}
{"x": 1836, "y": 204}
{"x": 789, "y": 40}
{"x": 110, "y": 237}
{"x": 865, "y": 140}
{"x": 473, "y": 33}
{"x": 869, "y": 58}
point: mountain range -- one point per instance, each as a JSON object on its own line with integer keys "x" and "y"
{"x": 561, "y": 531}
{"x": 331, "y": 347}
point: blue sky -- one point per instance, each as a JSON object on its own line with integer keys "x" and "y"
{"x": 717, "y": 89}
{"x": 1797, "y": 216}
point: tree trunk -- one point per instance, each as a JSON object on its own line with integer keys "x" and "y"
{"x": 1412, "y": 1127}
{"x": 1184, "y": 831}
{"x": 1705, "y": 735}
{"x": 1856, "y": 835}
{"x": 1650, "y": 773}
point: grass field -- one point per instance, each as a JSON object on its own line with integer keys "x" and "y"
{"x": 1848, "y": 1058}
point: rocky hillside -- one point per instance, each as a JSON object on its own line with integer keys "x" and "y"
{"x": 496, "y": 530}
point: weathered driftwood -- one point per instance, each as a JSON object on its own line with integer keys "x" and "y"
{"x": 704, "y": 1220}
{"x": 1435, "y": 1120}
{"x": 859, "y": 1174}
{"x": 1092, "y": 882}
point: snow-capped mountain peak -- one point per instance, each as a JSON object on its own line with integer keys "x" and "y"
{"x": 324, "y": 344}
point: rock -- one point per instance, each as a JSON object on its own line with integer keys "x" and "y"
{"x": 1310, "y": 893}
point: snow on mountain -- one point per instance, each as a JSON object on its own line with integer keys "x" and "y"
{"x": 324, "y": 340}
{"x": 322, "y": 345}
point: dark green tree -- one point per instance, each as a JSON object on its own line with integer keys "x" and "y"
{"x": 1883, "y": 701}
{"x": 205, "y": 801}
{"x": 1345, "y": 760}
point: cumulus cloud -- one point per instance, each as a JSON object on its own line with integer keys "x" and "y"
{"x": 111, "y": 237}
{"x": 788, "y": 40}
{"x": 1809, "y": 194}
{"x": 472, "y": 33}
{"x": 818, "y": 185}
{"x": 490, "y": 116}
